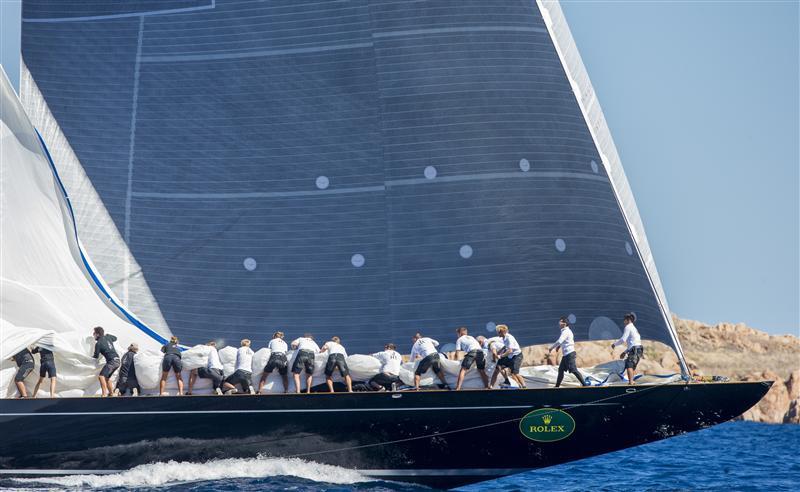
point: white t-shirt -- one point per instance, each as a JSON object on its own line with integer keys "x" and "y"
{"x": 244, "y": 359}
{"x": 631, "y": 336}
{"x": 303, "y": 343}
{"x": 424, "y": 347}
{"x": 495, "y": 343}
{"x": 278, "y": 346}
{"x": 467, "y": 343}
{"x": 566, "y": 341}
{"x": 510, "y": 343}
{"x": 390, "y": 362}
{"x": 213, "y": 360}
{"x": 334, "y": 348}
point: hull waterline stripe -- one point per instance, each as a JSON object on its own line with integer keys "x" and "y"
{"x": 370, "y": 473}
{"x": 299, "y": 410}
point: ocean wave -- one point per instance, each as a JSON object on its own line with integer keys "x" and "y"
{"x": 172, "y": 472}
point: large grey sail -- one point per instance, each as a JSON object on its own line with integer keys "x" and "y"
{"x": 366, "y": 169}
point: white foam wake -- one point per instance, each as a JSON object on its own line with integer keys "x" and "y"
{"x": 158, "y": 474}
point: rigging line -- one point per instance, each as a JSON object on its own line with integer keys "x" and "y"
{"x": 465, "y": 429}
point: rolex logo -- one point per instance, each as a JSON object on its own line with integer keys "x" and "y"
{"x": 547, "y": 425}
{"x": 547, "y": 419}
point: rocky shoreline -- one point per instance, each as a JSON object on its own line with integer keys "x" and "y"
{"x": 733, "y": 350}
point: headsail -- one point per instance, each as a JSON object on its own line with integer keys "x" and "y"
{"x": 366, "y": 169}
{"x": 49, "y": 293}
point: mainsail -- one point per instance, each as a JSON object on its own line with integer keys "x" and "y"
{"x": 364, "y": 169}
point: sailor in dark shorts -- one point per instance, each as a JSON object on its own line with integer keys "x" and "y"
{"x": 127, "y": 382}
{"x": 25, "y": 364}
{"x": 306, "y": 348}
{"x": 243, "y": 373}
{"x": 635, "y": 351}
{"x": 473, "y": 353}
{"x": 212, "y": 370}
{"x": 389, "y": 376}
{"x": 104, "y": 345}
{"x": 566, "y": 343}
{"x": 425, "y": 348}
{"x": 337, "y": 359}
{"x": 510, "y": 356}
{"x": 47, "y": 368}
{"x": 171, "y": 361}
{"x": 277, "y": 360}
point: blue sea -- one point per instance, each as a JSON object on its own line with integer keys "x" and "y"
{"x": 736, "y": 456}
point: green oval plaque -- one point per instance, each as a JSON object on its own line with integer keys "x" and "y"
{"x": 547, "y": 425}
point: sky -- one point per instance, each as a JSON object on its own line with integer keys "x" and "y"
{"x": 702, "y": 99}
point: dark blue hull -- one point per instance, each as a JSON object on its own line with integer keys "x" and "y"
{"x": 438, "y": 438}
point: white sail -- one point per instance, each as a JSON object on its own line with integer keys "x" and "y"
{"x": 99, "y": 235}
{"x": 49, "y": 293}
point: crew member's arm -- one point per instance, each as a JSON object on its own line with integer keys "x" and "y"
{"x": 625, "y": 334}
{"x": 324, "y": 348}
{"x": 96, "y": 350}
{"x": 295, "y": 342}
{"x": 414, "y": 353}
{"x": 164, "y": 349}
{"x": 557, "y": 344}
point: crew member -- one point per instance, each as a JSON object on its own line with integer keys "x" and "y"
{"x": 127, "y": 381}
{"x": 243, "y": 375}
{"x": 25, "y": 364}
{"x": 492, "y": 346}
{"x": 566, "y": 343}
{"x": 212, "y": 370}
{"x": 277, "y": 360}
{"x": 389, "y": 374}
{"x": 47, "y": 368}
{"x": 104, "y": 345}
{"x": 425, "y": 348}
{"x": 337, "y": 359}
{"x": 634, "y": 352}
{"x": 510, "y": 356}
{"x": 172, "y": 360}
{"x": 473, "y": 353}
{"x": 306, "y": 348}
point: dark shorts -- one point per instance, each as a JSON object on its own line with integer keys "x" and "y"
{"x": 304, "y": 360}
{"x": 215, "y": 375}
{"x": 633, "y": 357}
{"x": 109, "y": 368}
{"x": 240, "y": 377}
{"x": 385, "y": 380}
{"x": 513, "y": 363}
{"x": 47, "y": 369}
{"x": 171, "y": 361}
{"x": 429, "y": 362}
{"x": 476, "y": 356}
{"x": 128, "y": 386}
{"x": 279, "y": 362}
{"x": 23, "y": 371}
{"x": 336, "y": 361}
{"x": 568, "y": 363}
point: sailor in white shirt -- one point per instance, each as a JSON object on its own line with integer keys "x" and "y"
{"x": 472, "y": 353}
{"x": 635, "y": 351}
{"x": 337, "y": 359}
{"x": 510, "y": 356}
{"x": 492, "y": 347}
{"x": 566, "y": 343}
{"x": 277, "y": 360}
{"x": 390, "y": 369}
{"x": 212, "y": 371}
{"x": 426, "y": 348}
{"x": 306, "y": 348}
{"x": 243, "y": 374}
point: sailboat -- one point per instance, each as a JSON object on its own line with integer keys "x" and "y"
{"x": 220, "y": 170}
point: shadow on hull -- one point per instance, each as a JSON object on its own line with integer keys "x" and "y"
{"x": 439, "y": 438}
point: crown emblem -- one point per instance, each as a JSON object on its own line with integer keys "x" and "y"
{"x": 546, "y": 419}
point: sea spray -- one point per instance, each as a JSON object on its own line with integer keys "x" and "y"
{"x": 172, "y": 472}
